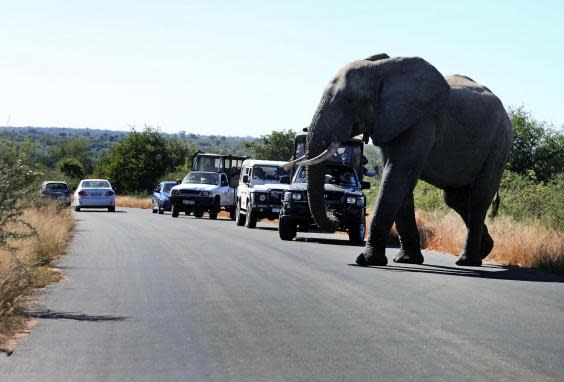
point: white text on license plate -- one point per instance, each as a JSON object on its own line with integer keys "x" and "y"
{"x": 330, "y": 213}
{"x": 276, "y": 210}
{"x": 188, "y": 202}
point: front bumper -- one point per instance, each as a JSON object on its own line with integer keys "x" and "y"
{"x": 347, "y": 215}
{"x": 189, "y": 202}
{"x": 267, "y": 211}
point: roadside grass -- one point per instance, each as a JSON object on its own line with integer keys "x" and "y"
{"x": 527, "y": 244}
{"x": 29, "y": 264}
{"x": 133, "y": 201}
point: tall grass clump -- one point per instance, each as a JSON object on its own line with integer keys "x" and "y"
{"x": 130, "y": 201}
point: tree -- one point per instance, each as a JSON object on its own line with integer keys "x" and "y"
{"x": 71, "y": 168}
{"x": 140, "y": 160}
{"x": 537, "y": 148}
{"x": 278, "y": 145}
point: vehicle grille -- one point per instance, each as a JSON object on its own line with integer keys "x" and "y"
{"x": 276, "y": 196}
{"x": 189, "y": 192}
{"x": 333, "y": 195}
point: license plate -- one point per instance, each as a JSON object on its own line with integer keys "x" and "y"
{"x": 188, "y": 202}
{"x": 330, "y": 213}
{"x": 96, "y": 194}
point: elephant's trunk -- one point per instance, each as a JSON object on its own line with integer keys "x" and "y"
{"x": 323, "y": 141}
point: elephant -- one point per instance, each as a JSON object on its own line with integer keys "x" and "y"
{"x": 448, "y": 131}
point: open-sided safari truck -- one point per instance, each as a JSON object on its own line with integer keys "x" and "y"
{"x": 344, "y": 198}
{"x": 210, "y": 187}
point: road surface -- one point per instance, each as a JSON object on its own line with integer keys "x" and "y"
{"x": 152, "y": 298}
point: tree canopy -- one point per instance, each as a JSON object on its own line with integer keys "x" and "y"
{"x": 278, "y": 145}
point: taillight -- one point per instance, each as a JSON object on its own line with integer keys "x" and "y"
{"x": 82, "y": 193}
{"x": 109, "y": 193}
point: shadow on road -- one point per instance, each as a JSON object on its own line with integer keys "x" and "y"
{"x": 52, "y": 315}
{"x": 319, "y": 240}
{"x": 268, "y": 228}
{"x": 82, "y": 210}
{"x": 497, "y": 272}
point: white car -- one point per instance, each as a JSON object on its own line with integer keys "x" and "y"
{"x": 94, "y": 193}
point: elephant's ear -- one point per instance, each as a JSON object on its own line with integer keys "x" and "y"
{"x": 409, "y": 90}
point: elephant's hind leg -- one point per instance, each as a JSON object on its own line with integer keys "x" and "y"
{"x": 410, "y": 251}
{"x": 459, "y": 200}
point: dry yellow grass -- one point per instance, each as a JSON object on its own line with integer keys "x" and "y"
{"x": 529, "y": 244}
{"x": 28, "y": 266}
{"x": 133, "y": 202}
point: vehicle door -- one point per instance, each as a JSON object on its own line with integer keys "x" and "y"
{"x": 242, "y": 188}
{"x": 225, "y": 192}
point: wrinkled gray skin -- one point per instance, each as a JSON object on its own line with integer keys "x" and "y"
{"x": 449, "y": 131}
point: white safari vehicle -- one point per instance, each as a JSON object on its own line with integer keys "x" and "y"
{"x": 260, "y": 192}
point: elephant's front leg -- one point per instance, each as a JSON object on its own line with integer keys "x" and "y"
{"x": 410, "y": 240}
{"x": 404, "y": 162}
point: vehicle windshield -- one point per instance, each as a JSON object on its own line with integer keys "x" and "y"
{"x": 268, "y": 173}
{"x": 201, "y": 178}
{"x": 339, "y": 175}
{"x": 95, "y": 184}
{"x": 56, "y": 187}
{"x": 168, "y": 186}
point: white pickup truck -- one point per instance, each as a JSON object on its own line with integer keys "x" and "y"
{"x": 260, "y": 193}
{"x": 203, "y": 191}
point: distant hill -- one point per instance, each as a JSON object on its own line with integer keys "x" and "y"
{"x": 100, "y": 141}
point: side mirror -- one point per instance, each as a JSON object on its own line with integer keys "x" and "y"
{"x": 285, "y": 179}
{"x": 364, "y": 185}
{"x": 157, "y": 190}
{"x": 245, "y": 179}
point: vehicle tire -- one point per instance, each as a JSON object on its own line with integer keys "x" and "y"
{"x": 187, "y": 213}
{"x": 215, "y": 209}
{"x": 198, "y": 213}
{"x": 251, "y": 218}
{"x": 77, "y": 209}
{"x": 232, "y": 213}
{"x": 161, "y": 211}
{"x": 287, "y": 229}
{"x": 239, "y": 217}
{"x": 356, "y": 233}
{"x": 112, "y": 209}
{"x": 174, "y": 211}
{"x": 213, "y": 214}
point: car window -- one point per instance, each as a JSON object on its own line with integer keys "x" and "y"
{"x": 168, "y": 186}
{"x": 340, "y": 175}
{"x": 201, "y": 178}
{"x": 56, "y": 186}
{"x": 95, "y": 184}
{"x": 270, "y": 173}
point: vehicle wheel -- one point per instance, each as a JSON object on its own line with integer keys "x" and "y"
{"x": 161, "y": 211}
{"x": 215, "y": 209}
{"x": 112, "y": 209}
{"x": 251, "y": 218}
{"x": 77, "y": 209}
{"x": 356, "y": 233}
{"x": 213, "y": 214}
{"x": 187, "y": 213}
{"x": 287, "y": 229}
{"x": 198, "y": 213}
{"x": 232, "y": 213}
{"x": 239, "y": 217}
{"x": 174, "y": 211}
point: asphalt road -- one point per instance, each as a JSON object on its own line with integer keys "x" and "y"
{"x": 151, "y": 298}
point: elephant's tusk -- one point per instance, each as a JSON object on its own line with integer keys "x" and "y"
{"x": 328, "y": 153}
{"x": 291, "y": 164}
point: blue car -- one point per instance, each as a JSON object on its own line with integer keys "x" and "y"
{"x": 161, "y": 197}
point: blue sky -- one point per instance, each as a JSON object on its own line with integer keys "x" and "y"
{"x": 250, "y": 67}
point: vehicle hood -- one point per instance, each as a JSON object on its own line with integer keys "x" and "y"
{"x": 270, "y": 186}
{"x": 328, "y": 187}
{"x": 196, "y": 186}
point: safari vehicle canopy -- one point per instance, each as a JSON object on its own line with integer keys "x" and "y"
{"x": 350, "y": 153}
{"x": 226, "y": 163}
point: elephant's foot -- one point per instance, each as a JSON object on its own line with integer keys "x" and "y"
{"x": 465, "y": 261}
{"x": 365, "y": 260}
{"x": 412, "y": 257}
{"x": 486, "y": 246}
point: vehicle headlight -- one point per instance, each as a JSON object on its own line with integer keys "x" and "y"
{"x": 287, "y": 196}
{"x": 206, "y": 193}
{"x": 351, "y": 199}
{"x": 360, "y": 201}
{"x": 297, "y": 196}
